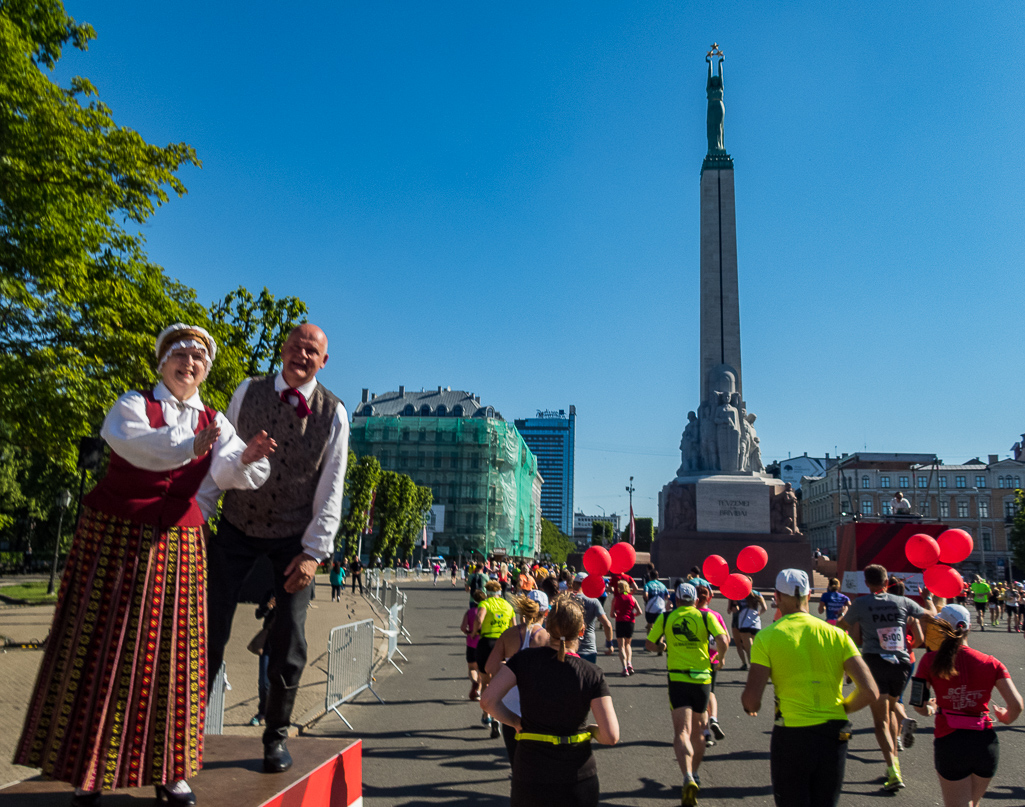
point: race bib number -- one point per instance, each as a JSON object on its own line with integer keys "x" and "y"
{"x": 891, "y": 639}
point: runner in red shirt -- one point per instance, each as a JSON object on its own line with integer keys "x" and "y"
{"x": 966, "y": 749}
{"x": 624, "y": 614}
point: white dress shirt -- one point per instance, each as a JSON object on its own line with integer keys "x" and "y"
{"x": 128, "y": 432}
{"x": 319, "y": 537}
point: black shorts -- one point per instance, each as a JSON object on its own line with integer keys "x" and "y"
{"x": 980, "y": 606}
{"x": 890, "y": 678}
{"x": 624, "y": 630}
{"x": 684, "y": 693}
{"x": 650, "y": 618}
{"x": 471, "y": 655}
{"x": 484, "y": 648}
{"x": 748, "y": 631}
{"x": 711, "y": 687}
{"x": 967, "y": 752}
{"x": 807, "y": 763}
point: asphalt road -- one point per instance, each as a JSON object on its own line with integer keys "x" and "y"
{"x": 425, "y": 745}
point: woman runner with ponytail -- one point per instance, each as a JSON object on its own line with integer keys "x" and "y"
{"x": 965, "y": 750}
{"x": 553, "y": 765}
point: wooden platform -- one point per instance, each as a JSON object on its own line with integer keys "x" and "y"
{"x": 232, "y": 775}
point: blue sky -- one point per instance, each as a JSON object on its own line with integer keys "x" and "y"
{"x": 503, "y": 198}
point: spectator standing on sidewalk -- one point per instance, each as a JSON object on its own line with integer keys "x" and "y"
{"x": 356, "y": 570}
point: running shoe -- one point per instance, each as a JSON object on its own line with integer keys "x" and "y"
{"x": 630, "y": 668}
{"x": 496, "y": 729}
{"x": 717, "y": 731}
{"x": 485, "y": 719}
{"x": 894, "y": 783}
{"x": 743, "y": 666}
{"x": 689, "y": 793}
{"x": 475, "y": 691}
{"x": 907, "y": 731}
{"x": 626, "y": 672}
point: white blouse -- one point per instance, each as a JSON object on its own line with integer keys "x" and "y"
{"x": 128, "y": 432}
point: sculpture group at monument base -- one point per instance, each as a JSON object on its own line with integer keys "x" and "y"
{"x": 674, "y": 552}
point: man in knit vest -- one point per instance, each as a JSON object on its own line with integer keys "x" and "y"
{"x": 292, "y": 521}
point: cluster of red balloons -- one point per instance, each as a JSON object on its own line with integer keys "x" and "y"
{"x": 933, "y": 554}
{"x": 735, "y": 586}
{"x": 599, "y": 561}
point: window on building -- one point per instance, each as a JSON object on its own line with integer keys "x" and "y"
{"x": 983, "y": 508}
{"x": 980, "y": 481}
{"x": 441, "y": 411}
{"x": 1017, "y": 483}
{"x": 474, "y": 461}
{"x": 420, "y": 460}
{"x": 439, "y": 435}
{"x": 383, "y": 459}
{"x": 944, "y": 508}
{"x": 904, "y": 482}
{"x": 409, "y": 409}
{"x": 1000, "y": 481}
{"x": 437, "y": 460}
{"x": 425, "y": 411}
{"x": 385, "y": 433}
{"x": 405, "y": 434}
{"x": 924, "y": 508}
{"x": 884, "y": 481}
{"x": 453, "y": 459}
{"x": 987, "y": 541}
{"x": 923, "y": 481}
{"x": 962, "y": 509}
{"x": 887, "y": 509}
{"x": 943, "y": 481}
{"x": 865, "y": 482}
{"x": 404, "y": 459}
{"x": 866, "y": 507}
{"x": 959, "y": 482}
{"x": 1010, "y": 510}
{"x": 457, "y": 411}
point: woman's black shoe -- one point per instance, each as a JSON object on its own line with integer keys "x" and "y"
{"x": 179, "y": 800}
{"x": 86, "y": 799}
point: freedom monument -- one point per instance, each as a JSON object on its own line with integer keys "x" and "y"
{"x": 721, "y": 499}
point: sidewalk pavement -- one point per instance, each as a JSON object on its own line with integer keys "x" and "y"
{"x": 18, "y": 668}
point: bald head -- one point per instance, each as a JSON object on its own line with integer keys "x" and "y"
{"x": 303, "y": 354}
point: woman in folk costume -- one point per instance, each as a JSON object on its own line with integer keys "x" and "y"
{"x": 121, "y": 696}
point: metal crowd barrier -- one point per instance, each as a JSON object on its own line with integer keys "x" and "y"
{"x": 350, "y": 662}
{"x": 392, "y": 632}
{"x": 215, "y": 706}
{"x": 403, "y": 599}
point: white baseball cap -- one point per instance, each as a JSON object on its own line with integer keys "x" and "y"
{"x": 539, "y": 597}
{"x": 685, "y": 591}
{"x": 956, "y": 616}
{"x": 793, "y": 583}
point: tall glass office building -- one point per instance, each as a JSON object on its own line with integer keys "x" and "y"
{"x": 551, "y": 438}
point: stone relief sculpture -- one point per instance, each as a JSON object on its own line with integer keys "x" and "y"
{"x": 690, "y": 446}
{"x": 783, "y": 515}
{"x": 727, "y": 429}
{"x": 680, "y": 513}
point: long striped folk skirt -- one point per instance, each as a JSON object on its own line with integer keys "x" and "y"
{"x": 120, "y": 699}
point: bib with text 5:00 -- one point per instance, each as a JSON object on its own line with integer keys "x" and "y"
{"x": 891, "y": 639}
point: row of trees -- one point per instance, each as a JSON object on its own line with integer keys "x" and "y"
{"x": 80, "y": 303}
{"x": 603, "y": 533}
{"x": 398, "y": 504}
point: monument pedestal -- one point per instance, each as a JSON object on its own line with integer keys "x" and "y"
{"x": 720, "y": 514}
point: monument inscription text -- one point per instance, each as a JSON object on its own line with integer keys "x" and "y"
{"x": 733, "y": 504}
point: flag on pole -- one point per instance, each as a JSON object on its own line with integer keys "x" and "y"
{"x": 633, "y": 527}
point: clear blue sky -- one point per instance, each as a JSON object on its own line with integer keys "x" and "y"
{"x": 503, "y": 198}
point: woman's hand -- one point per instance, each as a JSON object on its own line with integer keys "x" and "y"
{"x": 205, "y": 439}
{"x": 259, "y": 446}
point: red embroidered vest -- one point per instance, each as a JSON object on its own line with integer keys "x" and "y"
{"x": 162, "y": 498}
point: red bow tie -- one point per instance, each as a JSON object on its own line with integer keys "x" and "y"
{"x": 302, "y": 409}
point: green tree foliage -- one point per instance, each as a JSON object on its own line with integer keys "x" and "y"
{"x": 361, "y": 479}
{"x": 249, "y": 332}
{"x": 644, "y": 529}
{"x": 420, "y": 506}
{"x": 394, "y": 501}
{"x": 554, "y": 543}
{"x": 1017, "y": 536}
{"x": 601, "y": 533}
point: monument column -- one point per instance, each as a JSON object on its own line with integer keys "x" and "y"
{"x": 720, "y": 297}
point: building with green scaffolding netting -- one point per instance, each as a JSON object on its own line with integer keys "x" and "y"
{"x": 475, "y": 462}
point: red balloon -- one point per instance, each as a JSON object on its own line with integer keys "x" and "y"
{"x": 624, "y": 556}
{"x": 716, "y": 569}
{"x": 752, "y": 559}
{"x": 735, "y": 587}
{"x": 597, "y": 560}
{"x": 942, "y": 580}
{"x": 955, "y": 546}
{"x": 593, "y": 585}
{"x": 922, "y": 550}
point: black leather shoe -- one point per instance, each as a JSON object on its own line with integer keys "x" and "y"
{"x": 86, "y": 799}
{"x": 276, "y": 758}
{"x": 177, "y": 799}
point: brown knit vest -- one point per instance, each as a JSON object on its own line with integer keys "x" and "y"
{"x": 283, "y": 505}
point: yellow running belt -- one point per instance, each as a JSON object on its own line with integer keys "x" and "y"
{"x": 554, "y": 739}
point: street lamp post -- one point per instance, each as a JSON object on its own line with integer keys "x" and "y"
{"x": 630, "y": 489}
{"x": 63, "y": 502}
